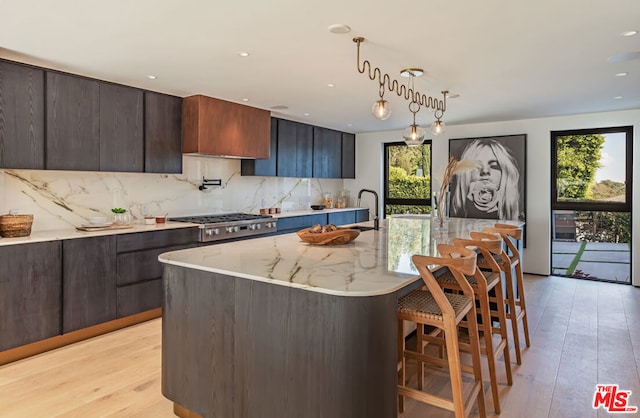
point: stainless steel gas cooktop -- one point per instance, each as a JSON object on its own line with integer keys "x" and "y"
{"x": 230, "y": 225}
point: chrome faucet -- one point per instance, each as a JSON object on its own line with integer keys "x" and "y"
{"x": 376, "y": 221}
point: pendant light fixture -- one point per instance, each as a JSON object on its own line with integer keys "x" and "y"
{"x": 414, "y": 134}
{"x": 381, "y": 109}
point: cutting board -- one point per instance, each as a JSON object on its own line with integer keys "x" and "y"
{"x": 102, "y": 228}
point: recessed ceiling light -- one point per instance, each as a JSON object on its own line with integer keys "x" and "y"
{"x": 243, "y": 54}
{"x": 618, "y": 97}
{"x": 306, "y": 114}
{"x": 151, "y": 77}
{"x": 245, "y": 100}
{"x": 349, "y": 124}
{"x": 331, "y": 85}
{"x": 339, "y": 28}
{"x": 621, "y": 74}
{"x": 629, "y": 33}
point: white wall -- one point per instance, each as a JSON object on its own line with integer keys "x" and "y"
{"x": 537, "y": 255}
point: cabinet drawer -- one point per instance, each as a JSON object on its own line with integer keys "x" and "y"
{"x": 342, "y": 218}
{"x": 300, "y": 222}
{"x": 139, "y": 297}
{"x": 143, "y": 265}
{"x": 362, "y": 215}
{"x": 156, "y": 239}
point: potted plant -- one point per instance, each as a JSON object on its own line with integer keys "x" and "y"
{"x": 120, "y": 216}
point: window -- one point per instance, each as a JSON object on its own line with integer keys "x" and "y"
{"x": 591, "y": 203}
{"x": 407, "y": 178}
{"x": 591, "y": 169}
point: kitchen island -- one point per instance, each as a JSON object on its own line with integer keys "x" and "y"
{"x": 274, "y": 328}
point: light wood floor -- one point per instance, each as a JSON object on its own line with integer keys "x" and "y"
{"x": 583, "y": 333}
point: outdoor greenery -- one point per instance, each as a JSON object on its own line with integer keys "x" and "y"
{"x": 578, "y": 160}
{"x": 603, "y": 226}
{"x": 607, "y": 190}
{"x": 409, "y": 177}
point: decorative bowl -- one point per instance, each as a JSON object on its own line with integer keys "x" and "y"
{"x": 337, "y": 237}
{"x": 318, "y": 207}
{"x": 98, "y": 220}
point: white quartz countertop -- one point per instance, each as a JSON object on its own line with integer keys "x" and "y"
{"x": 71, "y": 233}
{"x": 375, "y": 263}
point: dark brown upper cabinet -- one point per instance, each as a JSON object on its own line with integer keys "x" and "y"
{"x": 73, "y": 123}
{"x": 163, "y": 133}
{"x": 217, "y": 127}
{"x": 301, "y": 150}
{"x": 21, "y": 116}
{"x": 121, "y": 128}
{"x": 57, "y": 121}
{"x": 327, "y": 153}
{"x": 348, "y": 156}
{"x": 295, "y": 149}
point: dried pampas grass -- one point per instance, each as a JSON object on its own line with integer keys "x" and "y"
{"x": 453, "y": 167}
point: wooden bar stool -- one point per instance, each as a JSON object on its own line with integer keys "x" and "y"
{"x": 482, "y": 283}
{"x": 509, "y": 260}
{"x": 445, "y": 312}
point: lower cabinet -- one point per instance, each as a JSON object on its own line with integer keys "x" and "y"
{"x": 342, "y": 218}
{"x": 139, "y": 273}
{"x": 139, "y": 297}
{"x": 89, "y": 282}
{"x": 30, "y": 293}
{"x": 295, "y": 223}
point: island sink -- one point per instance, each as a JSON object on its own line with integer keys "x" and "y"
{"x": 361, "y": 228}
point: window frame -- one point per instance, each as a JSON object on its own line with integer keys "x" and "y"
{"x": 593, "y": 205}
{"x": 386, "y": 200}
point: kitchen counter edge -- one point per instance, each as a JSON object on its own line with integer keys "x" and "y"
{"x": 63, "y": 234}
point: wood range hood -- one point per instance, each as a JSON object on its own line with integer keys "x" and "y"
{"x": 215, "y": 127}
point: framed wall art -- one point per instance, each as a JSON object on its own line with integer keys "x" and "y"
{"x": 496, "y": 188}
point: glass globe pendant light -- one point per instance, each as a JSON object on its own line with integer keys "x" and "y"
{"x": 414, "y": 134}
{"x": 381, "y": 109}
{"x": 438, "y": 126}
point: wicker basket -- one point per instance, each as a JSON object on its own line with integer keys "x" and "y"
{"x": 12, "y": 226}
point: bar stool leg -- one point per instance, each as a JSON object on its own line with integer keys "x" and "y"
{"x": 502, "y": 315}
{"x": 513, "y": 313}
{"x": 486, "y": 328}
{"x": 522, "y": 303}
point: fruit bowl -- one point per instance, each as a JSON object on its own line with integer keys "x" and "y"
{"x": 337, "y": 237}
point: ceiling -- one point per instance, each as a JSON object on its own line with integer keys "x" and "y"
{"x": 506, "y": 59}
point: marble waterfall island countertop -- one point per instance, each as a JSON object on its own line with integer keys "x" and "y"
{"x": 376, "y": 263}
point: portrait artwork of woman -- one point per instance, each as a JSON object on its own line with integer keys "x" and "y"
{"x": 492, "y": 190}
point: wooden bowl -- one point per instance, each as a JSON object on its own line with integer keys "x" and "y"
{"x": 337, "y": 237}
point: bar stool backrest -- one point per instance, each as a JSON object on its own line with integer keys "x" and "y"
{"x": 459, "y": 260}
{"x": 507, "y": 232}
{"x": 487, "y": 244}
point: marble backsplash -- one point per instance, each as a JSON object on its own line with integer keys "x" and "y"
{"x": 63, "y": 199}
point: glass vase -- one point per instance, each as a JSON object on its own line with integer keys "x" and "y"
{"x": 440, "y": 210}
